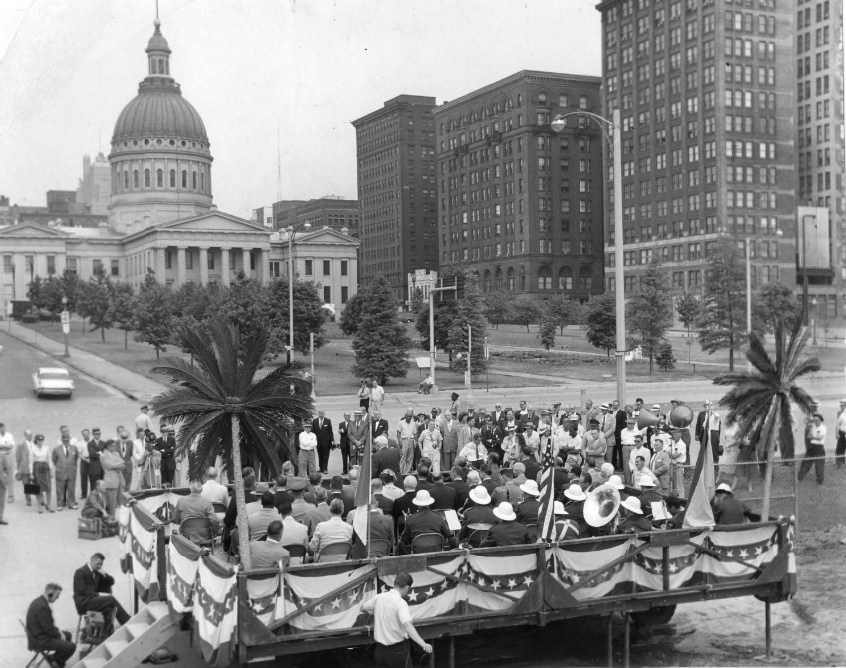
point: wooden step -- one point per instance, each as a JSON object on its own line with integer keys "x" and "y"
{"x": 115, "y": 646}
{"x": 135, "y": 629}
{"x": 94, "y": 662}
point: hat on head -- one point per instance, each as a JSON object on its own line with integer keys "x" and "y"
{"x": 593, "y": 423}
{"x": 646, "y": 482}
{"x": 530, "y": 487}
{"x": 297, "y": 484}
{"x": 656, "y": 407}
{"x": 675, "y": 401}
{"x": 724, "y": 487}
{"x": 455, "y": 395}
{"x": 616, "y": 482}
{"x": 480, "y": 495}
{"x": 358, "y": 412}
{"x": 575, "y": 492}
{"x": 607, "y": 468}
{"x": 423, "y": 498}
{"x": 605, "y": 407}
{"x": 306, "y": 424}
{"x": 505, "y": 512}
{"x": 558, "y": 508}
{"x": 261, "y": 488}
{"x": 843, "y": 400}
{"x": 512, "y": 427}
{"x": 632, "y": 503}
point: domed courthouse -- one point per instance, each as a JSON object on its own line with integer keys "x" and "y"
{"x": 161, "y": 213}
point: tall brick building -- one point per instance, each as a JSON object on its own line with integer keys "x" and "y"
{"x": 517, "y": 203}
{"x": 707, "y": 96}
{"x": 396, "y": 191}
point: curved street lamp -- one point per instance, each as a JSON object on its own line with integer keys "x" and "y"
{"x": 291, "y": 229}
{"x": 611, "y": 131}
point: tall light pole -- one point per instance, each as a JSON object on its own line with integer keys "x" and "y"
{"x": 65, "y": 323}
{"x": 558, "y": 124}
{"x": 432, "y": 329}
{"x": 805, "y": 268}
{"x": 291, "y": 230}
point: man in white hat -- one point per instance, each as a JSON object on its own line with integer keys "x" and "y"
{"x": 574, "y": 504}
{"x": 510, "y": 446}
{"x": 479, "y": 512}
{"x": 508, "y": 531}
{"x": 425, "y": 520}
{"x": 527, "y": 511}
{"x": 632, "y": 514}
{"x": 728, "y": 510}
{"x": 566, "y": 528}
{"x": 708, "y": 428}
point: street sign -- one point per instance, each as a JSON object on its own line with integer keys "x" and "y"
{"x": 66, "y": 328}
{"x": 66, "y": 317}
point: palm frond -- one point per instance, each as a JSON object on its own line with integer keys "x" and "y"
{"x": 226, "y": 342}
{"x": 202, "y": 349}
{"x": 808, "y": 366}
{"x": 181, "y": 372}
{"x": 758, "y": 357}
{"x": 253, "y": 352}
{"x": 178, "y": 402}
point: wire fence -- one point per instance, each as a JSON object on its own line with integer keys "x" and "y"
{"x": 813, "y": 489}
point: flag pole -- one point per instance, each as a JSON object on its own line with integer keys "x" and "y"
{"x": 369, "y": 453}
{"x": 700, "y": 461}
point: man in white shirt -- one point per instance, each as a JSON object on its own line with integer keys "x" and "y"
{"x": 377, "y": 396}
{"x": 143, "y": 420}
{"x": 406, "y": 435}
{"x": 678, "y": 455}
{"x": 308, "y": 450}
{"x": 333, "y": 530}
{"x": 840, "y": 435}
{"x": 213, "y": 490}
{"x": 392, "y": 625}
{"x": 639, "y": 450}
{"x": 627, "y": 440}
{"x": 7, "y": 464}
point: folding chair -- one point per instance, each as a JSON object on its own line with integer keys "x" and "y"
{"x": 380, "y": 547}
{"x": 427, "y": 542}
{"x": 199, "y": 530}
{"x": 478, "y": 533}
{"x": 298, "y": 554}
{"x": 334, "y": 552}
{"x": 39, "y": 655}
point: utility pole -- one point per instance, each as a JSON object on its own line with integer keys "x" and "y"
{"x": 432, "y": 329}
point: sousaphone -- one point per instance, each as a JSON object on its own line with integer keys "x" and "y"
{"x": 601, "y": 505}
{"x": 681, "y": 417}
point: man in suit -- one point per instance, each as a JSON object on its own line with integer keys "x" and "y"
{"x": 381, "y": 529}
{"x": 344, "y": 441}
{"x": 384, "y": 503}
{"x": 269, "y": 553}
{"x": 65, "y": 458}
{"x": 357, "y": 434}
{"x": 386, "y": 457}
{"x": 95, "y": 503}
{"x": 456, "y": 481}
{"x": 378, "y": 425}
{"x": 322, "y": 428}
{"x": 23, "y": 461}
{"x": 498, "y": 414}
{"x": 348, "y": 492}
{"x": 125, "y": 449}
{"x": 404, "y": 505}
{"x": 41, "y": 631}
{"x": 446, "y": 498}
{"x": 83, "y": 463}
{"x": 508, "y": 531}
{"x": 92, "y": 590}
{"x": 166, "y": 444}
{"x": 449, "y": 430}
{"x": 95, "y": 447}
{"x": 708, "y": 421}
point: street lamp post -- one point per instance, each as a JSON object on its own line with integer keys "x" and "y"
{"x": 814, "y": 321}
{"x": 291, "y": 230}
{"x": 558, "y": 124}
{"x": 805, "y": 268}
{"x": 65, "y": 323}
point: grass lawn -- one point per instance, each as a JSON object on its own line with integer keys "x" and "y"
{"x": 572, "y": 359}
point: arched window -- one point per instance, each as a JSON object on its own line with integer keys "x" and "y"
{"x": 545, "y": 278}
{"x": 462, "y": 122}
{"x": 154, "y": 66}
{"x": 585, "y": 277}
{"x": 184, "y": 178}
{"x": 146, "y": 178}
{"x": 451, "y": 125}
{"x": 563, "y": 100}
{"x": 522, "y": 277}
{"x": 583, "y": 102}
{"x": 507, "y": 105}
{"x": 542, "y": 98}
{"x": 136, "y": 182}
{"x": 565, "y": 278}
{"x": 519, "y": 99}
{"x": 159, "y": 178}
{"x": 498, "y": 279}
{"x": 126, "y": 179}
{"x": 194, "y": 180}
{"x": 487, "y": 280}
{"x": 172, "y": 178}
{"x": 495, "y": 109}
{"x": 512, "y": 281}
{"x": 202, "y": 182}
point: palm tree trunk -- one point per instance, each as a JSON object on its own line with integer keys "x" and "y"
{"x": 240, "y": 501}
{"x": 769, "y": 432}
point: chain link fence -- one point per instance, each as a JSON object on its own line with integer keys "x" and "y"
{"x": 812, "y": 489}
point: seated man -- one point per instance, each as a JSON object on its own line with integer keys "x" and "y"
{"x": 259, "y": 520}
{"x": 195, "y": 505}
{"x": 213, "y": 490}
{"x": 508, "y": 531}
{"x": 728, "y": 510}
{"x": 474, "y": 451}
{"x": 631, "y": 513}
{"x": 425, "y": 520}
{"x": 95, "y": 502}
{"x": 426, "y": 385}
{"x": 41, "y": 632}
{"x": 334, "y": 530}
{"x": 293, "y": 532}
{"x": 269, "y": 553}
{"x": 92, "y": 590}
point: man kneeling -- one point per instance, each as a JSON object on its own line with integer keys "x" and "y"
{"x": 92, "y": 590}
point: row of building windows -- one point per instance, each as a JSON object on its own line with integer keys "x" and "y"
{"x": 803, "y": 16}
{"x": 821, "y": 38}
{"x": 138, "y": 179}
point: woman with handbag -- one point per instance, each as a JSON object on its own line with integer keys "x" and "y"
{"x": 40, "y": 459}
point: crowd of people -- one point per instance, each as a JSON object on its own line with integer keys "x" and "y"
{"x": 95, "y": 466}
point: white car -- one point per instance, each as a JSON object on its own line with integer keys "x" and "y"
{"x": 52, "y": 380}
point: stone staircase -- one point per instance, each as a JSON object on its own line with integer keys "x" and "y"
{"x": 133, "y": 642}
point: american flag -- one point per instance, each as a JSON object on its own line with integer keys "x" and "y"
{"x": 546, "y": 516}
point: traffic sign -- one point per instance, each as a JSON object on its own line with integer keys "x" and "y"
{"x": 66, "y": 328}
{"x": 66, "y": 317}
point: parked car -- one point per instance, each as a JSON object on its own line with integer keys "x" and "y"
{"x": 52, "y": 380}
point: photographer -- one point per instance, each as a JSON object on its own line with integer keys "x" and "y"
{"x": 364, "y": 395}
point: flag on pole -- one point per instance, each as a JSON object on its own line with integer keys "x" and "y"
{"x": 699, "y": 512}
{"x": 361, "y": 521}
{"x": 546, "y": 514}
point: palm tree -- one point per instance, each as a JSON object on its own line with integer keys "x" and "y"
{"x": 760, "y": 401}
{"x": 221, "y": 408}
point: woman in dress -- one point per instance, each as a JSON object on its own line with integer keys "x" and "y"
{"x": 463, "y": 433}
{"x": 113, "y": 466}
{"x": 39, "y": 456}
{"x": 430, "y": 442}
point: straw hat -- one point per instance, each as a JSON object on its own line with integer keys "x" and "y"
{"x": 575, "y": 492}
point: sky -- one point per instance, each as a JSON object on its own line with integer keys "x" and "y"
{"x": 255, "y": 70}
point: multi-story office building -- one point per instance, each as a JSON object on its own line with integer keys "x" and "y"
{"x": 396, "y": 191}
{"x": 330, "y": 211}
{"x": 518, "y": 204}
{"x": 95, "y": 185}
{"x": 820, "y": 156}
{"x": 706, "y": 92}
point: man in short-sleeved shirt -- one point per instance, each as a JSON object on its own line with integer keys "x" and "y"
{"x": 392, "y": 625}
